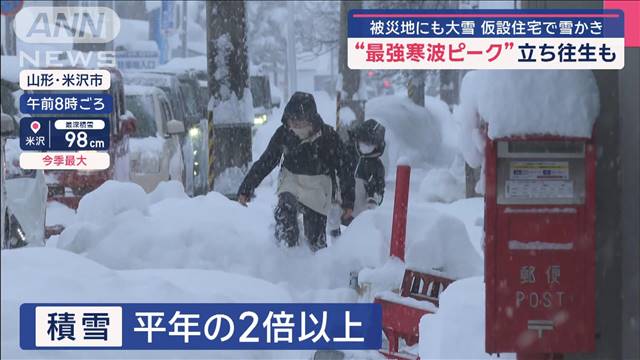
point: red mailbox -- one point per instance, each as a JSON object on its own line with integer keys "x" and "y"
{"x": 540, "y": 245}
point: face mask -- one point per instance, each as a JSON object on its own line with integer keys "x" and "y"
{"x": 366, "y": 148}
{"x": 303, "y": 132}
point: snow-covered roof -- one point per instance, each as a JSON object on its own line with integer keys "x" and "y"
{"x": 518, "y": 102}
{"x": 131, "y": 31}
{"x": 176, "y": 65}
{"x": 140, "y": 45}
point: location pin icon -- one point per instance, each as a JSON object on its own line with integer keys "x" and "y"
{"x": 35, "y": 126}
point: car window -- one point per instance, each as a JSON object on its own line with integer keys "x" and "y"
{"x": 141, "y": 106}
{"x": 175, "y": 102}
{"x": 190, "y": 100}
{"x": 168, "y": 115}
{"x": 182, "y": 102}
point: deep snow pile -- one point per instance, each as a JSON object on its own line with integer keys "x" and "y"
{"x": 50, "y": 275}
{"x": 442, "y": 245}
{"x": 470, "y": 212}
{"x": 441, "y": 185}
{"x": 520, "y": 102}
{"x": 121, "y": 227}
{"x": 456, "y": 330}
{"x": 412, "y": 132}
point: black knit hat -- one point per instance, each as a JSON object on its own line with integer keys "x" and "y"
{"x": 371, "y": 132}
{"x": 302, "y": 105}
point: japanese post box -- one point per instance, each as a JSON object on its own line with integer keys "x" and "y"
{"x": 539, "y": 245}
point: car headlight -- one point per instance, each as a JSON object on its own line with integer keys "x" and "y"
{"x": 260, "y": 119}
{"x": 194, "y": 132}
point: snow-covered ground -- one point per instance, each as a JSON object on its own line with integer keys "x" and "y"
{"x": 130, "y": 246}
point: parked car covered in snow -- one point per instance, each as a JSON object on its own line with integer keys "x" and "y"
{"x": 155, "y": 152}
{"x": 196, "y": 145}
{"x": 175, "y": 91}
{"x": 24, "y": 194}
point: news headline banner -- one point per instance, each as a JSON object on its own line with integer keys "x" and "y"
{"x": 485, "y": 39}
{"x": 200, "y": 326}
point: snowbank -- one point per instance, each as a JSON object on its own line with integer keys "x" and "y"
{"x": 412, "y": 132}
{"x": 441, "y": 185}
{"x": 470, "y": 212}
{"x": 121, "y": 227}
{"x": 440, "y": 242}
{"x": 229, "y": 180}
{"x": 456, "y": 331}
{"x": 46, "y": 274}
{"x": 440, "y": 110}
{"x": 435, "y": 242}
{"x": 384, "y": 278}
{"x": 58, "y": 213}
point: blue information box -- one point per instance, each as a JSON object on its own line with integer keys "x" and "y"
{"x": 64, "y": 134}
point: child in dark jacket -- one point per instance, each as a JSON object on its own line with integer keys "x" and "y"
{"x": 369, "y": 173}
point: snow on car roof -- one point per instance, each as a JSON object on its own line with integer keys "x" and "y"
{"x": 150, "y": 79}
{"x": 177, "y": 65}
{"x": 137, "y": 90}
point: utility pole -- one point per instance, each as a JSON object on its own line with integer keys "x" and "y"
{"x": 349, "y": 79}
{"x": 292, "y": 71}
{"x": 183, "y": 35}
{"x": 228, "y": 78}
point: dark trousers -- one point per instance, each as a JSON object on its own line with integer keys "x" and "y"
{"x": 287, "y": 231}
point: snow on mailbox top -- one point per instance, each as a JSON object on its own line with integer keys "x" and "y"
{"x": 523, "y": 102}
{"x": 553, "y": 102}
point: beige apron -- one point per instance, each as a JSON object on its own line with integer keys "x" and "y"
{"x": 313, "y": 191}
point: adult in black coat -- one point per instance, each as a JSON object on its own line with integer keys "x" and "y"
{"x": 314, "y": 162}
